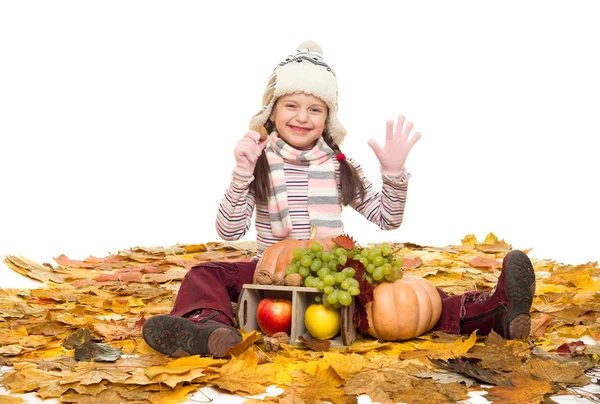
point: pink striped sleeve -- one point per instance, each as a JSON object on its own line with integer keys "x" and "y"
{"x": 234, "y": 216}
{"x": 385, "y": 208}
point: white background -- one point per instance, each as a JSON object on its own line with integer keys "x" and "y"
{"x": 118, "y": 119}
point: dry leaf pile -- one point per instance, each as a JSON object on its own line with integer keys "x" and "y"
{"x": 79, "y": 338}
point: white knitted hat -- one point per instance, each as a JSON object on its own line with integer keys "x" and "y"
{"x": 304, "y": 71}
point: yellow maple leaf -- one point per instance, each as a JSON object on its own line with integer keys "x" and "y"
{"x": 323, "y": 385}
{"x": 469, "y": 241}
{"x": 585, "y": 283}
{"x": 378, "y": 384}
{"x": 243, "y": 375}
{"x": 571, "y": 373}
{"x": 431, "y": 392}
{"x": 11, "y": 400}
{"x": 523, "y": 391}
{"x": 346, "y": 365}
{"x": 27, "y": 377}
{"x": 491, "y": 244}
{"x": 544, "y": 288}
{"x": 362, "y": 345}
{"x": 185, "y": 364}
{"x": 575, "y": 332}
{"x": 71, "y": 320}
{"x": 86, "y": 374}
{"x": 173, "y": 380}
{"x": 173, "y": 397}
{"x": 248, "y": 340}
{"x": 446, "y": 350}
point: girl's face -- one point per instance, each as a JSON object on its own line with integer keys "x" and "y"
{"x": 300, "y": 119}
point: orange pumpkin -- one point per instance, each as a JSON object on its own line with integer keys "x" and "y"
{"x": 277, "y": 257}
{"x": 403, "y": 309}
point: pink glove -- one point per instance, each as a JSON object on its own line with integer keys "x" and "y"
{"x": 247, "y": 151}
{"x": 394, "y": 152}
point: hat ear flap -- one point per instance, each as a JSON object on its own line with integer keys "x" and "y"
{"x": 268, "y": 96}
{"x": 336, "y": 130}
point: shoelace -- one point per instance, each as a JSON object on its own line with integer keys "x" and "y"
{"x": 215, "y": 314}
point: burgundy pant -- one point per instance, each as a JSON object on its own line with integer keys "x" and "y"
{"x": 214, "y": 285}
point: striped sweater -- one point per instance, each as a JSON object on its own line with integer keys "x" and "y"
{"x": 234, "y": 217}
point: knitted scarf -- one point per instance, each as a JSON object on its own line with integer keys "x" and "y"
{"x": 324, "y": 207}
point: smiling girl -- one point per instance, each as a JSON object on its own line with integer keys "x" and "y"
{"x": 290, "y": 174}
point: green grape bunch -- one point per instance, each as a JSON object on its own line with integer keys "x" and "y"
{"x": 328, "y": 272}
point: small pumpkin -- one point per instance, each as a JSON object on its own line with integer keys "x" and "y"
{"x": 278, "y": 256}
{"x": 403, "y": 309}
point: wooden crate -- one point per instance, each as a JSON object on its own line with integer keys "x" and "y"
{"x": 301, "y": 297}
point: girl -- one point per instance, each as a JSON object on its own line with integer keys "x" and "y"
{"x": 289, "y": 168}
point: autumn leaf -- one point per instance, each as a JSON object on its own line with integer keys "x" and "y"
{"x": 539, "y": 323}
{"x": 11, "y": 400}
{"x": 57, "y": 363}
{"x": 79, "y": 337}
{"x": 27, "y": 377}
{"x": 442, "y": 350}
{"x": 443, "y": 377}
{"x": 96, "y": 351}
{"x": 379, "y": 384}
{"x": 249, "y": 340}
{"x": 523, "y": 391}
{"x": 570, "y": 348}
{"x": 571, "y": 373}
{"x": 469, "y": 241}
{"x": 174, "y": 380}
{"x": 47, "y": 326}
{"x": 363, "y": 345}
{"x": 323, "y": 385}
{"x": 183, "y": 365}
{"x": 267, "y": 399}
{"x": 366, "y": 295}
{"x": 32, "y": 269}
{"x": 91, "y": 389}
{"x": 471, "y": 368}
{"x": 499, "y": 354}
{"x": 430, "y": 392}
{"x": 242, "y": 374}
{"x": 34, "y": 322}
{"x": 411, "y": 263}
{"x": 92, "y": 373}
{"x": 347, "y": 364}
{"x": 125, "y": 277}
{"x": 118, "y": 330}
{"x": 491, "y": 244}
{"x": 90, "y": 262}
{"x": 119, "y": 394}
{"x": 484, "y": 262}
{"x": 345, "y": 241}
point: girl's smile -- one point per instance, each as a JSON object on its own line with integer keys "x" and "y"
{"x": 300, "y": 130}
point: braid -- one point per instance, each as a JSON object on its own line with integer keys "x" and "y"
{"x": 350, "y": 181}
{"x": 261, "y": 185}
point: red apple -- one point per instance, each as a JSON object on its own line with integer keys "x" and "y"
{"x": 274, "y": 315}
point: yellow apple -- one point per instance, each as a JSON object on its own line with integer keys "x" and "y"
{"x": 322, "y": 322}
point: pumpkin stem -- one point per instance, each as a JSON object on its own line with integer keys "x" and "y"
{"x": 313, "y": 232}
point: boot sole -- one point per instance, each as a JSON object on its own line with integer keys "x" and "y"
{"x": 177, "y": 336}
{"x": 520, "y": 289}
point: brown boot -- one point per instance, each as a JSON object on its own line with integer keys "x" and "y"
{"x": 181, "y": 336}
{"x": 505, "y": 309}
